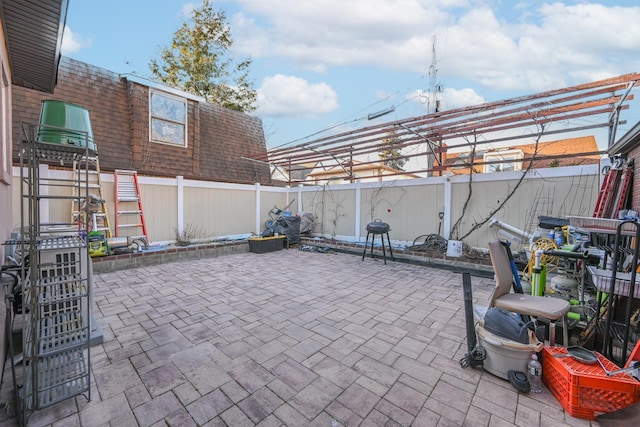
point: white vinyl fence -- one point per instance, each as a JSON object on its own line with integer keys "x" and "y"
{"x": 451, "y": 205}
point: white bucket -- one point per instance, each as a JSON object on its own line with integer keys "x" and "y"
{"x": 454, "y": 248}
{"x": 503, "y": 354}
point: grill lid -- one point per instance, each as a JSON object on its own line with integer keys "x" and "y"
{"x": 378, "y": 227}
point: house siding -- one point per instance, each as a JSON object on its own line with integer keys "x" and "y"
{"x": 635, "y": 189}
{"x": 217, "y": 138}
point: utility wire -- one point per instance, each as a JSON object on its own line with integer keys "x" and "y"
{"x": 340, "y": 124}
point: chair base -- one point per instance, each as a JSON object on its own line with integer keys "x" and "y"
{"x": 553, "y": 330}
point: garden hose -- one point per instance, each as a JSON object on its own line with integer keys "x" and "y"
{"x": 475, "y": 358}
{"x": 433, "y": 242}
{"x": 543, "y": 245}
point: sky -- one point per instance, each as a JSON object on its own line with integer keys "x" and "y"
{"x": 323, "y": 66}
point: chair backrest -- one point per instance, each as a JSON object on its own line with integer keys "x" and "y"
{"x": 502, "y": 270}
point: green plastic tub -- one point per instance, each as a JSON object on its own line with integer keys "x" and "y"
{"x": 65, "y": 123}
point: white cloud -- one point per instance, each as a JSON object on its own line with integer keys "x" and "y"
{"x": 454, "y": 98}
{"x": 72, "y": 42}
{"x": 334, "y": 32}
{"x": 553, "y": 46}
{"x": 508, "y": 47}
{"x": 450, "y": 99}
{"x": 293, "y": 96}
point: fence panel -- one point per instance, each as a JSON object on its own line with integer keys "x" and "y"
{"x": 410, "y": 210}
{"x": 551, "y": 192}
{"x": 333, "y": 207}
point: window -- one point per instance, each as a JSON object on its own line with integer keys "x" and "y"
{"x": 167, "y": 119}
{"x": 510, "y": 160}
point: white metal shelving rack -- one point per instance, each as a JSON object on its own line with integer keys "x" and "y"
{"x": 57, "y": 279}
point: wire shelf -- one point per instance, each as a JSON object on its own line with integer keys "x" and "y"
{"x": 602, "y": 282}
{"x": 57, "y": 378}
{"x": 602, "y": 225}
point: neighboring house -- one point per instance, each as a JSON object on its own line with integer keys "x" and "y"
{"x": 565, "y": 152}
{"x": 280, "y": 176}
{"x": 152, "y": 129}
{"x": 30, "y": 42}
{"x": 362, "y": 172}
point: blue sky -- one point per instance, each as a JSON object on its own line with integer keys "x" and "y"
{"x": 327, "y": 64}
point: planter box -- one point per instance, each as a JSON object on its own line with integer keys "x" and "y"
{"x": 261, "y": 245}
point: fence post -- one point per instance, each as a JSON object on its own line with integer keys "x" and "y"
{"x": 180, "y": 190}
{"x": 258, "y": 208}
{"x": 358, "y": 209}
{"x": 446, "y": 221}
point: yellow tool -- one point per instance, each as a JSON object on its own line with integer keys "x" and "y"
{"x": 97, "y": 245}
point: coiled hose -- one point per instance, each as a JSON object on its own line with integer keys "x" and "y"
{"x": 543, "y": 244}
{"x": 432, "y": 242}
{"x": 475, "y": 358}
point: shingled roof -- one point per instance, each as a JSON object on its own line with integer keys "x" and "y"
{"x": 565, "y": 152}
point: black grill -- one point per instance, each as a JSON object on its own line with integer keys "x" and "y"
{"x": 378, "y": 227}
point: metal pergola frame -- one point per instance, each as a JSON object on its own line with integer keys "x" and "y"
{"x": 446, "y": 130}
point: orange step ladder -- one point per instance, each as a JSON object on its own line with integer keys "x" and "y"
{"x": 607, "y": 198}
{"x": 128, "y": 204}
{"x": 622, "y": 194}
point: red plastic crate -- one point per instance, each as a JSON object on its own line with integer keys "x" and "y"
{"x": 585, "y": 391}
{"x": 635, "y": 355}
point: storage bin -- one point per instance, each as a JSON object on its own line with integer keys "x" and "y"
{"x": 504, "y": 355}
{"x": 584, "y": 390}
{"x": 262, "y": 245}
{"x": 65, "y": 123}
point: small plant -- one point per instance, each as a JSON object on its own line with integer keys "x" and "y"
{"x": 188, "y": 234}
{"x": 554, "y": 163}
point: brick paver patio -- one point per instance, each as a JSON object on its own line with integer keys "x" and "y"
{"x": 290, "y": 338}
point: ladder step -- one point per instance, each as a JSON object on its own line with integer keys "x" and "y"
{"x": 127, "y": 191}
{"x": 97, "y": 214}
{"x": 86, "y": 171}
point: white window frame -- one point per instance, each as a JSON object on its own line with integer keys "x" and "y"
{"x": 175, "y": 122}
{"x": 508, "y": 157}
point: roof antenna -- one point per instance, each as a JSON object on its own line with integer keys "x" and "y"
{"x": 435, "y": 87}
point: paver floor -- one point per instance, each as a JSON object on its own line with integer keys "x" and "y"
{"x": 290, "y": 338}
